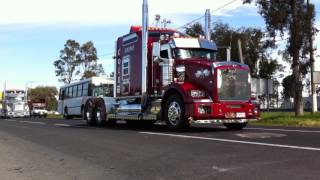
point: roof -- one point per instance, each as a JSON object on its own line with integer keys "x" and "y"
{"x": 94, "y": 80}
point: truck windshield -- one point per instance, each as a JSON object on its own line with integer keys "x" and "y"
{"x": 15, "y": 99}
{"x": 194, "y": 53}
{"x": 233, "y": 84}
{"x": 103, "y": 90}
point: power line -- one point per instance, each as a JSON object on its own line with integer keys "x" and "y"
{"x": 197, "y": 19}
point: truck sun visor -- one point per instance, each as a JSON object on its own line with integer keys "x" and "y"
{"x": 193, "y": 43}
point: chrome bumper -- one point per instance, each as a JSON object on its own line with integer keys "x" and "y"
{"x": 220, "y": 121}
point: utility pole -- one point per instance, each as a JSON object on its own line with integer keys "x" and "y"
{"x": 240, "y": 51}
{"x": 313, "y": 89}
{"x": 208, "y": 24}
{"x": 145, "y": 22}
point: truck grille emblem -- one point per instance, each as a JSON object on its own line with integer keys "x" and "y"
{"x": 202, "y": 73}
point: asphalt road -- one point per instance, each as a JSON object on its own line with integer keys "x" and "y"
{"x": 68, "y": 149}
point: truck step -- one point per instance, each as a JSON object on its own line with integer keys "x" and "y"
{"x": 132, "y": 117}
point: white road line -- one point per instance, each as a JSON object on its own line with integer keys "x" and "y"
{"x": 233, "y": 141}
{"x": 32, "y": 122}
{"x": 10, "y": 120}
{"x": 63, "y": 125}
{"x": 284, "y": 130}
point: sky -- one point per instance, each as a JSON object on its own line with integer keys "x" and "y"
{"x": 32, "y": 32}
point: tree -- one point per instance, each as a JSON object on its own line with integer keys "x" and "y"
{"x": 254, "y": 47}
{"x": 288, "y": 16}
{"x": 287, "y": 84}
{"x": 268, "y": 69}
{"x": 195, "y": 30}
{"x": 66, "y": 65}
{"x": 111, "y": 74}
{"x": 46, "y": 93}
{"x": 89, "y": 61}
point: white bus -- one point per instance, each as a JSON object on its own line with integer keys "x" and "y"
{"x": 73, "y": 97}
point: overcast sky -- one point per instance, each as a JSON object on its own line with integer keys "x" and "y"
{"x": 33, "y": 31}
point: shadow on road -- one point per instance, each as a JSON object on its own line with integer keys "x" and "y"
{"x": 151, "y": 128}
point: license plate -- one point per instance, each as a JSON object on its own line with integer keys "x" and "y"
{"x": 241, "y": 115}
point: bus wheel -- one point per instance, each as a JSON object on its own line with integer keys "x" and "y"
{"x": 174, "y": 114}
{"x": 65, "y": 114}
{"x": 89, "y": 116}
{"x": 235, "y": 126}
{"x": 101, "y": 114}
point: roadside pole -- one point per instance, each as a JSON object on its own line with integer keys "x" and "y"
{"x": 208, "y": 24}
{"x": 313, "y": 89}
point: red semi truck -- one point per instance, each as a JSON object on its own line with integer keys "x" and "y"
{"x": 183, "y": 83}
{"x": 165, "y": 75}
{"x": 37, "y": 108}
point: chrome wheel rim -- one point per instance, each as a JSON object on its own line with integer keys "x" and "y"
{"x": 99, "y": 117}
{"x": 88, "y": 116}
{"x": 174, "y": 113}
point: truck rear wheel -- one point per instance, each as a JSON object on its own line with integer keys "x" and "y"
{"x": 174, "y": 113}
{"x": 89, "y": 115}
{"x": 235, "y": 126}
{"x": 100, "y": 112}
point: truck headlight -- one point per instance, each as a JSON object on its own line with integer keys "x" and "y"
{"x": 197, "y": 93}
{"x": 181, "y": 73}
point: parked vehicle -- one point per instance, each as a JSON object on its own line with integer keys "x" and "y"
{"x": 38, "y": 108}
{"x": 73, "y": 97}
{"x": 14, "y": 104}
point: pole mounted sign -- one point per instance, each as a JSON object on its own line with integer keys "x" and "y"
{"x": 316, "y": 77}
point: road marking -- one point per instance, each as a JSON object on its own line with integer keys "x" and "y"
{"x": 10, "y": 120}
{"x": 284, "y": 130}
{"x": 261, "y": 135}
{"x": 233, "y": 141}
{"x": 32, "y": 122}
{"x": 63, "y": 125}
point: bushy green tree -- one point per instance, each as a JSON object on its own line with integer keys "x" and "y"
{"x": 288, "y": 87}
{"x": 290, "y": 17}
{"x": 44, "y": 93}
{"x": 77, "y": 61}
{"x": 254, "y": 47}
{"x": 195, "y": 30}
{"x": 66, "y": 67}
{"x": 89, "y": 61}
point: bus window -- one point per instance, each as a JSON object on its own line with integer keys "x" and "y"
{"x": 103, "y": 90}
{"x": 85, "y": 89}
{"x": 66, "y": 95}
{"x": 79, "y": 90}
{"x": 70, "y": 92}
{"x": 74, "y": 90}
{"x": 62, "y": 94}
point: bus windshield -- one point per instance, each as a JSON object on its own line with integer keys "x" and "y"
{"x": 194, "y": 53}
{"x": 103, "y": 90}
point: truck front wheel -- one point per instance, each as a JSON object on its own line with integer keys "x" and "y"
{"x": 89, "y": 115}
{"x": 174, "y": 114}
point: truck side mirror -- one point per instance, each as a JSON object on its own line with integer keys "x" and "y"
{"x": 156, "y": 51}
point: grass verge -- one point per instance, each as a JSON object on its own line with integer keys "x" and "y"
{"x": 54, "y": 116}
{"x": 289, "y": 119}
